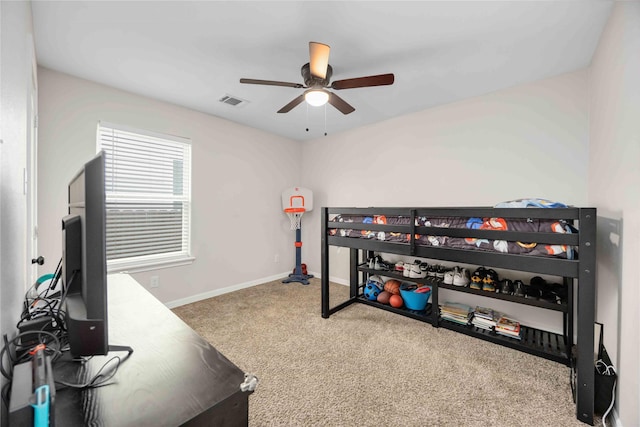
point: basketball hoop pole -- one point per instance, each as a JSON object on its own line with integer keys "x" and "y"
{"x": 298, "y": 275}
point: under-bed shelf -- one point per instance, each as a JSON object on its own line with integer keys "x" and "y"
{"x": 534, "y": 341}
{"x": 431, "y": 281}
{"x": 422, "y": 315}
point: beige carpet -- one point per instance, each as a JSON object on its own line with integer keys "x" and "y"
{"x": 367, "y": 367}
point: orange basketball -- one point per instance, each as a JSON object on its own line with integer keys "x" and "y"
{"x": 396, "y": 301}
{"x": 392, "y": 286}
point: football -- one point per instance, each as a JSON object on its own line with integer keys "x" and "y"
{"x": 383, "y": 297}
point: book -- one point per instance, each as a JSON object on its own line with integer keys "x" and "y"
{"x": 484, "y": 312}
{"x": 508, "y": 324}
{"x": 456, "y": 308}
{"x": 456, "y": 312}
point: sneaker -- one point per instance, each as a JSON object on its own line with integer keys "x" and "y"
{"x": 440, "y": 271}
{"x": 431, "y": 271}
{"x": 559, "y": 291}
{"x": 490, "y": 281}
{"x": 381, "y": 264}
{"x": 506, "y": 287}
{"x": 477, "y": 278}
{"x": 532, "y": 292}
{"x": 406, "y": 270}
{"x": 461, "y": 277}
{"x": 399, "y": 267}
{"x": 371, "y": 263}
{"x": 425, "y": 268}
{"x": 416, "y": 272}
{"x": 448, "y": 276}
{"x": 518, "y": 288}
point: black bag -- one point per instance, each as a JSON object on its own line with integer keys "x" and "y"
{"x": 604, "y": 383}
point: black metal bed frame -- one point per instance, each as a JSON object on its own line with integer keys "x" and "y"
{"x": 540, "y": 343}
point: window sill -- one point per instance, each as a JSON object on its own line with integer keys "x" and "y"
{"x": 141, "y": 266}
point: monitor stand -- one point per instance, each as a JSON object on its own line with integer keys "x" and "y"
{"x": 121, "y": 348}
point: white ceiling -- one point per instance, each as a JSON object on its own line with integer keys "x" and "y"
{"x": 193, "y": 53}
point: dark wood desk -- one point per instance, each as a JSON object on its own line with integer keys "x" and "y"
{"x": 173, "y": 378}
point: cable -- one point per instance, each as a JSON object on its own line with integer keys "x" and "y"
{"x": 66, "y": 289}
{"x": 96, "y": 380}
{"x": 24, "y": 355}
{"x": 613, "y": 398}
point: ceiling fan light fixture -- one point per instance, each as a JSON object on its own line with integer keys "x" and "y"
{"x": 316, "y": 97}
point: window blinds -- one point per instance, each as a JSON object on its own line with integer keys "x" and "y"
{"x": 147, "y": 180}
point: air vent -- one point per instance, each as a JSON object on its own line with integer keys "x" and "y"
{"x": 233, "y": 101}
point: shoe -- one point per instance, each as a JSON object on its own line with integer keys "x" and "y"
{"x": 440, "y": 271}
{"x": 448, "y": 276}
{"x": 431, "y": 271}
{"x": 371, "y": 263}
{"x": 506, "y": 287}
{"x": 490, "y": 281}
{"x": 537, "y": 288}
{"x": 518, "y": 288}
{"x": 461, "y": 277}
{"x": 532, "y": 292}
{"x": 381, "y": 264}
{"x": 416, "y": 272}
{"x": 407, "y": 270}
{"x": 477, "y": 277}
{"x": 399, "y": 267}
{"x": 425, "y": 268}
{"x": 560, "y": 292}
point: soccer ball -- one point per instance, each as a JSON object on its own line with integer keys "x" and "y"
{"x": 371, "y": 291}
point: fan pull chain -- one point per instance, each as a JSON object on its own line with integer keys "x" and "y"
{"x": 307, "y": 116}
{"x": 325, "y": 119}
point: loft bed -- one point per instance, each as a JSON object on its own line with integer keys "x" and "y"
{"x": 557, "y": 242}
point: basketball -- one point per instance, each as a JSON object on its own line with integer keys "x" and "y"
{"x": 392, "y": 286}
{"x": 396, "y": 301}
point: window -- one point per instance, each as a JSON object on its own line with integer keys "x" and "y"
{"x": 148, "y": 187}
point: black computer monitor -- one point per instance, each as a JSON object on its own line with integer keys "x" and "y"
{"x": 84, "y": 265}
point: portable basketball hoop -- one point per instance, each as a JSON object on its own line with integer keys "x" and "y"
{"x": 295, "y": 202}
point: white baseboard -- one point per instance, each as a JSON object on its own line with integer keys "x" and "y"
{"x": 216, "y": 292}
{"x": 337, "y": 280}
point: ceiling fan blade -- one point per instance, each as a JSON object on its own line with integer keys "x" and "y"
{"x": 271, "y": 83}
{"x": 290, "y": 106}
{"x": 340, "y": 104}
{"x": 318, "y": 59}
{"x": 379, "y": 80}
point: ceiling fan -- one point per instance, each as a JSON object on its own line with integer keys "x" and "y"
{"x": 317, "y": 74}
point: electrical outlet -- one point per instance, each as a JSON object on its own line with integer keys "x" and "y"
{"x": 276, "y": 258}
{"x": 155, "y": 281}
